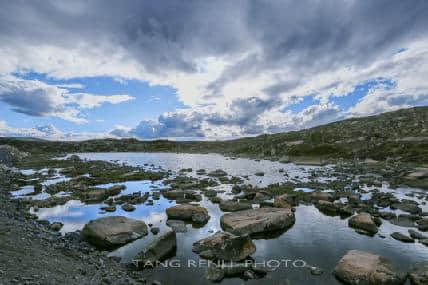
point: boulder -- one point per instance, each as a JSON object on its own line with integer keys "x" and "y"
{"x": 56, "y": 226}
{"x": 325, "y": 196}
{"x": 363, "y": 268}
{"x": 262, "y": 220}
{"x": 418, "y": 275}
{"x": 177, "y": 226}
{"x": 401, "y": 237}
{"x": 327, "y": 207}
{"x": 417, "y": 235}
{"x": 364, "y": 222}
{"x": 233, "y": 206}
{"x": 113, "y": 231}
{"x": 159, "y": 249}
{"x": 188, "y": 212}
{"x": 285, "y": 201}
{"x": 226, "y": 246}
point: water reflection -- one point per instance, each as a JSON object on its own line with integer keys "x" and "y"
{"x": 317, "y": 239}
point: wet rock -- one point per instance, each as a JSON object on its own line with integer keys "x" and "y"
{"x": 128, "y": 207}
{"x": 403, "y": 221}
{"x": 260, "y": 173}
{"x": 226, "y": 246}
{"x": 424, "y": 241}
{"x": 417, "y": 235}
{"x": 177, "y": 226}
{"x": 56, "y": 226}
{"x": 113, "y": 231}
{"x": 346, "y": 211}
{"x": 262, "y": 220}
{"x": 364, "y": 222}
{"x": 233, "y": 206}
{"x": 188, "y": 212}
{"x": 159, "y": 249}
{"x": 402, "y": 237}
{"x": 418, "y": 275}
{"x": 358, "y": 268}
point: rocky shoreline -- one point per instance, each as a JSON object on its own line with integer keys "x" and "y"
{"x": 35, "y": 253}
{"x": 31, "y": 252}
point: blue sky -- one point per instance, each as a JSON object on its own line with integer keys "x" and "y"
{"x": 203, "y": 70}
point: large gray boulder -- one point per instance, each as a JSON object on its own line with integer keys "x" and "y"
{"x": 363, "y": 268}
{"x": 363, "y": 222}
{"x": 254, "y": 221}
{"x": 233, "y": 206}
{"x": 188, "y": 212}
{"x": 113, "y": 231}
{"x": 225, "y": 246}
{"x": 159, "y": 249}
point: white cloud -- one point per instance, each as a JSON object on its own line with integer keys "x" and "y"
{"x": 35, "y": 98}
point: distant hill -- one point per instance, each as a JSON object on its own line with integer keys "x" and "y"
{"x": 401, "y": 135}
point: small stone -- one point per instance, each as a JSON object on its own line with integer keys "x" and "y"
{"x": 155, "y": 230}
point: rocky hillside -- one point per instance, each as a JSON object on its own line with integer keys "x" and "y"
{"x": 400, "y": 135}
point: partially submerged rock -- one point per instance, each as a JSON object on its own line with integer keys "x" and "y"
{"x": 177, "y": 226}
{"x": 364, "y": 222}
{"x": 113, "y": 231}
{"x": 254, "y": 221}
{"x": 188, "y": 212}
{"x": 226, "y": 246}
{"x": 363, "y": 268}
{"x": 159, "y": 249}
{"x": 402, "y": 237}
{"x": 233, "y": 206}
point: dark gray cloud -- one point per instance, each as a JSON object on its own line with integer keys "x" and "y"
{"x": 305, "y": 37}
{"x": 170, "y": 35}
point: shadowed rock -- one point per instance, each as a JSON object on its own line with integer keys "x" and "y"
{"x": 159, "y": 249}
{"x": 226, "y": 246}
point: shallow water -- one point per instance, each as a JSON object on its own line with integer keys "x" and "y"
{"x": 317, "y": 239}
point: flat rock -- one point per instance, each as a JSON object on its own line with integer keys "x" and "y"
{"x": 159, "y": 249}
{"x": 233, "y": 206}
{"x": 363, "y": 268}
{"x": 113, "y": 231}
{"x": 364, "y": 222}
{"x": 262, "y": 220}
{"x": 188, "y": 212}
{"x": 226, "y": 246}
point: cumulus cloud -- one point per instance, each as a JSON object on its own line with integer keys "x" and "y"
{"x": 35, "y": 98}
{"x": 49, "y": 132}
{"x": 236, "y": 65}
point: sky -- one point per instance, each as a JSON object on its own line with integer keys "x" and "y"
{"x": 73, "y": 70}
